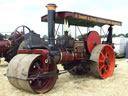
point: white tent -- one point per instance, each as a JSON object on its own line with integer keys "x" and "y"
{"x": 120, "y": 46}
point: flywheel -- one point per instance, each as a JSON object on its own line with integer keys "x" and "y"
{"x": 103, "y": 58}
{"x": 91, "y": 40}
{"x": 23, "y": 66}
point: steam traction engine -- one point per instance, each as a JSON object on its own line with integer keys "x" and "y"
{"x": 9, "y": 44}
{"x": 37, "y": 70}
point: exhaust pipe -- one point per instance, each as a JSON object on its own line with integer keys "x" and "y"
{"x": 51, "y": 25}
{"x": 54, "y": 51}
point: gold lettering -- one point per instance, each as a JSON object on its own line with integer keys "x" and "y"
{"x": 92, "y": 19}
{"x": 116, "y": 23}
{"x": 82, "y": 17}
{"x": 76, "y": 15}
{"x": 108, "y": 22}
{"x": 88, "y": 18}
{"x": 101, "y": 20}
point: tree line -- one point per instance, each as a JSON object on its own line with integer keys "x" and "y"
{"x": 102, "y": 36}
{"x": 116, "y": 35}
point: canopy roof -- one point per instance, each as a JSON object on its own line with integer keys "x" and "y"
{"x": 79, "y": 19}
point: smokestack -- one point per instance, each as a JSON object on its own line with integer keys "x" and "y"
{"x": 51, "y": 24}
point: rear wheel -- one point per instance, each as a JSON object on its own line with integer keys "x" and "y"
{"x": 104, "y": 61}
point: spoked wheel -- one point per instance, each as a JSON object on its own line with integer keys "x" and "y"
{"x": 29, "y": 65}
{"x": 19, "y": 32}
{"x": 21, "y": 29}
{"x": 41, "y": 84}
{"x": 104, "y": 61}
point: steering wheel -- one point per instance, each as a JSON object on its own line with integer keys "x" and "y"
{"x": 23, "y": 27}
{"x": 19, "y": 31}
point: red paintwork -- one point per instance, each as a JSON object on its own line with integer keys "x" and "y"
{"x": 5, "y": 45}
{"x": 42, "y": 84}
{"x": 18, "y": 37}
{"x": 109, "y": 53}
{"x": 80, "y": 19}
{"x": 44, "y": 53}
{"x": 68, "y": 57}
{"x": 91, "y": 39}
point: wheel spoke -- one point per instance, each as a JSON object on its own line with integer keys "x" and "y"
{"x": 101, "y": 67}
{"x": 107, "y": 67}
{"x": 101, "y": 61}
{"x": 34, "y": 83}
{"x": 104, "y": 51}
{"x": 38, "y": 85}
{"x": 37, "y": 65}
{"x": 105, "y": 70}
{"x": 106, "y": 55}
{"x": 102, "y": 55}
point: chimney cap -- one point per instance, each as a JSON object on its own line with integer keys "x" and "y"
{"x": 51, "y": 6}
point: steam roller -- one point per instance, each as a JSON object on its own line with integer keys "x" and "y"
{"x": 34, "y": 68}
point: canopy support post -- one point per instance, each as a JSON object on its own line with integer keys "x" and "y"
{"x": 62, "y": 29}
{"x": 75, "y": 33}
{"x": 100, "y": 30}
{"x": 109, "y": 37}
{"x": 88, "y": 29}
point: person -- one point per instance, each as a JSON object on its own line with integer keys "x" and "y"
{"x": 109, "y": 38}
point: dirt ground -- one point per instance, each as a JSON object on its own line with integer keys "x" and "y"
{"x": 68, "y": 85}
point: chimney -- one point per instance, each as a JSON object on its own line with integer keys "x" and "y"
{"x": 51, "y": 25}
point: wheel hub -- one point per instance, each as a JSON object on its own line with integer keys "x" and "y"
{"x": 107, "y": 61}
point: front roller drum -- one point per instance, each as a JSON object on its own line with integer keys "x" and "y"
{"x": 23, "y": 66}
{"x": 103, "y": 61}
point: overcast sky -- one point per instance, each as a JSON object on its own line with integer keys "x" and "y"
{"x": 28, "y": 12}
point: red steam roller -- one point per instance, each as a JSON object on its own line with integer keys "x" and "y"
{"x": 34, "y": 68}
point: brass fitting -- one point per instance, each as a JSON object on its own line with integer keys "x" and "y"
{"x": 51, "y": 6}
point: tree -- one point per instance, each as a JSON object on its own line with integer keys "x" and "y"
{"x": 120, "y": 35}
{"x": 114, "y": 35}
{"x": 81, "y": 36}
{"x": 45, "y": 37}
{"x": 126, "y": 35}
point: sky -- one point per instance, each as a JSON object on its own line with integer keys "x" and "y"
{"x": 14, "y": 13}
